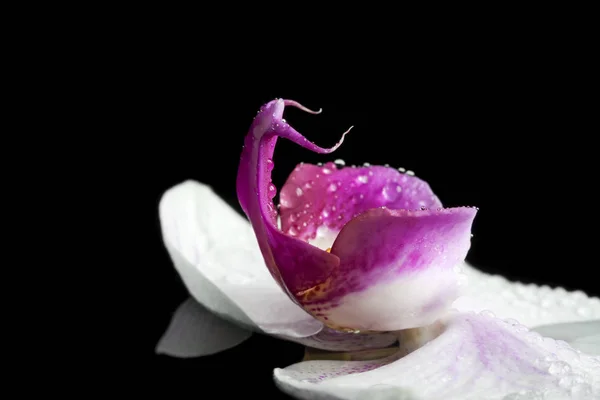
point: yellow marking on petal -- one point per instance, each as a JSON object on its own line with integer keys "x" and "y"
{"x": 328, "y": 250}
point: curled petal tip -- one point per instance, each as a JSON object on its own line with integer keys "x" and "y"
{"x": 300, "y": 106}
{"x": 339, "y": 143}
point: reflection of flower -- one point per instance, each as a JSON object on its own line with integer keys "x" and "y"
{"x": 366, "y": 250}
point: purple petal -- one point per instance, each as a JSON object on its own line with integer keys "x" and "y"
{"x": 470, "y": 357}
{"x": 295, "y": 264}
{"x": 327, "y": 197}
{"x": 396, "y": 269}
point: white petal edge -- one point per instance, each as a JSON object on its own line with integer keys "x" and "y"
{"x": 477, "y": 356}
{"x": 194, "y": 331}
{"x": 583, "y": 336}
{"x": 215, "y": 252}
{"x": 530, "y": 304}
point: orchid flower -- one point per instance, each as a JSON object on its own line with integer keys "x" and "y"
{"x": 368, "y": 262}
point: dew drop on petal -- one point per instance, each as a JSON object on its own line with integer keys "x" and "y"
{"x": 299, "y": 192}
{"x": 272, "y": 190}
{"x": 390, "y": 191}
{"x": 357, "y": 198}
{"x": 270, "y": 165}
{"x": 363, "y": 179}
{"x": 339, "y": 162}
{"x": 559, "y": 368}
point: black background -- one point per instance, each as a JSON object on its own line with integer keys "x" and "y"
{"x": 508, "y": 130}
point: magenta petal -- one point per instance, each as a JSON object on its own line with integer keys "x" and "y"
{"x": 295, "y": 265}
{"x": 325, "y": 196}
{"x": 396, "y": 269}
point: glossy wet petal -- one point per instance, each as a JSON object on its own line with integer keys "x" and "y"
{"x": 530, "y": 304}
{"x": 475, "y": 356}
{"x": 584, "y": 336}
{"x": 317, "y": 201}
{"x": 294, "y": 264}
{"x": 214, "y": 250}
{"x": 316, "y": 278}
{"x": 396, "y": 269}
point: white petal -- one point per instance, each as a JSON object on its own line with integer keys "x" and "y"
{"x": 194, "y": 331}
{"x": 476, "y": 356}
{"x": 530, "y": 304}
{"x": 216, "y": 253}
{"x": 584, "y": 336}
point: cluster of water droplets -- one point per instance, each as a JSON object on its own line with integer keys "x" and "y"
{"x": 346, "y": 197}
{"x": 529, "y": 303}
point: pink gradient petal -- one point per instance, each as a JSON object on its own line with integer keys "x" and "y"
{"x": 325, "y": 196}
{"x": 295, "y": 264}
{"x": 388, "y": 269}
{"x": 396, "y": 269}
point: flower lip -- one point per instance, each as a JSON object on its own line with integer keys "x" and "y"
{"x": 304, "y": 270}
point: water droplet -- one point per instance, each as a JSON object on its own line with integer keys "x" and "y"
{"x": 533, "y": 337}
{"x": 565, "y": 382}
{"x": 401, "y": 169}
{"x": 357, "y": 198}
{"x": 333, "y": 208}
{"x": 283, "y": 120}
{"x": 390, "y": 191}
{"x": 326, "y": 171}
{"x": 272, "y": 190}
{"x": 332, "y": 187}
{"x": 299, "y": 192}
{"x": 409, "y": 172}
{"x": 583, "y": 311}
{"x": 581, "y": 391}
{"x": 363, "y": 179}
{"x": 325, "y": 214}
{"x": 559, "y": 368}
{"x": 320, "y": 164}
{"x": 366, "y": 164}
{"x": 270, "y": 165}
{"x": 307, "y": 185}
{"x": 568, "y": 354}
{"x": 339, "y": 161}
